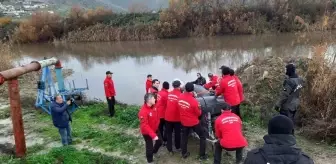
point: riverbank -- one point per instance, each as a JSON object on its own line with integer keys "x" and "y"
{"x": 184, "y": 19}
{"x": 98, "y": 137}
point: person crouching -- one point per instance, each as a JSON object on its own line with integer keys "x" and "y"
{"x": 228, "y": 129}
{"x": 149, "y": 124}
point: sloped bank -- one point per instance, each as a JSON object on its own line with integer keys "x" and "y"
{"x": 262, "y": 80}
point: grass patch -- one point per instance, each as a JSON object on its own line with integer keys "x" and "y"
{"x": 68, "y": 155}
{"x": 34, "y": 149}
{"x": 92, "y": 124}
{"x": 5, "y": 113}
{"x": 256, "y": 115}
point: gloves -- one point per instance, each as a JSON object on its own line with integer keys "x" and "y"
{"x": 277, "y": 108}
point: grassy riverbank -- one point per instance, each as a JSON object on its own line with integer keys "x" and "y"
{"x": 181, "y": 19}
{"x": 101, "y": 139}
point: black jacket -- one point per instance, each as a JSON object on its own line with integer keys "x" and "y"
{"x": 278, "y": 149}
{"x": 290, "y": 96}
{"x": 200, "y": 81}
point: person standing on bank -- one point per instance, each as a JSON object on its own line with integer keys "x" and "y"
{"x": 200, "y": 80}
{"x": 190, "y": 111}
{"x": 172, "y": 118}
{"x": 61, "y": 118}
{"x": 239, "y": 85}
{"x": 228, "y": 88}
{"x": 155, "y": 86}
{"x": 148, "y": 82}
{"x": 110, "y": 92}
{"x": 149, "y": 124}
{"x": 162, "y": 98}
{"x": 290, "y": 96}
{"x": 228, "y": 130}
{"x": 280, "y": 145}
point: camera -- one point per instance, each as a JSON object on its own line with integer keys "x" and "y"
{"x": 69, "y": 98}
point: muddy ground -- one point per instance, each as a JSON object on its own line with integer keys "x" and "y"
{"x": 319, "y": 151}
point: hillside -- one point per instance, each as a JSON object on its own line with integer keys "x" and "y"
{"x": 24, "y": 8}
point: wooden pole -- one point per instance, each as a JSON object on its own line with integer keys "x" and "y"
{"x": 16, "y": 114}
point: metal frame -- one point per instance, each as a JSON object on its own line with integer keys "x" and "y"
{"x": 46, "y": 94}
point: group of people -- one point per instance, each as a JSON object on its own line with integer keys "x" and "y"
{"x": 177, "y": 111}
{"x": 166, "y": 113}
{"x": 229, "y": 86}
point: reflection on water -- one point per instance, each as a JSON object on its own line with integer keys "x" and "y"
{"x": 165, "y": 59}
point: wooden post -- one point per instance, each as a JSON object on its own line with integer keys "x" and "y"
{"x": 16, "y": 114}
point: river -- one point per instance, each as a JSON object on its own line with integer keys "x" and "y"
{"x": 164, "y": 59}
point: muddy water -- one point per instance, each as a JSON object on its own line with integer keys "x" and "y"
{"x": 165, "y": 59}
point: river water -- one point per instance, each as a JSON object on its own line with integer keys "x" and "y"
{"x": 165, "y": 59}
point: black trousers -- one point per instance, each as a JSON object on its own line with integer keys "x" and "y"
{"x": 218, "y": 153}
{"x": 200, "y": 132}
{"x": 162, "y": 128}
{"x": 150, "y": 148}
{"x": 176, "y": 127}
{"x": 289, "y": 114}
{"x": 111, "y": 104}
{"x": 236, "y": 110}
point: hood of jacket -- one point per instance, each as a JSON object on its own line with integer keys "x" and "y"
{"x": 291, "y": 71}
{"x": 280, "y": 148}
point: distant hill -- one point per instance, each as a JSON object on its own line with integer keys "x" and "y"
{"x": 116, "y": 5}
{"x": 22, "y": 8}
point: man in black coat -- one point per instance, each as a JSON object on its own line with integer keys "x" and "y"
{"x": 280, "y": 145}
{"x": 290, "y": 96}
{"x": 200, "y": 80}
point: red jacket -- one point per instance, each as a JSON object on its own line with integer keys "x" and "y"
{"x": 172, "y": 112}
{"x": 109, "y": 87}
{"x": 152, "y": 90}
{"x": 148, "y": 84}
{"x": 189, "y": 109}
{"x": 212, "y": 83}
{"x": 162, "y": 98}
{"x": 228, "y": 129}
{"x": 149, "y": 120}
{"x": 228, "y": 88}
{"x": 240, "y": 88}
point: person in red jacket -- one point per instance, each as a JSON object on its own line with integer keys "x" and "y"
{"x": 212, "y": 83}
{"x": 148, "y": 82}
{"x": 110, "y": 92}
{"x": 149, "y": 124}
{"x": 228, "y": 130}
{"x": 155, "y": 86}
{"x": 228, "y": 88}
{"x": 162, "y": 98}
{"x": 239, "y": 85}
{"x": 189, "y": 113}
{"x": 172, "y": 118}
